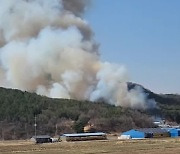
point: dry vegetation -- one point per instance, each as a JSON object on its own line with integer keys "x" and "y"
{"x": 155, "y": 146}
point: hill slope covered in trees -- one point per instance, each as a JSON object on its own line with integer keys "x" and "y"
{"x": 168, "y": 105}
{"x": 56, "y": 116}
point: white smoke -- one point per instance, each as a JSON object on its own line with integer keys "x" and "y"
{"x": 46, "y": 47}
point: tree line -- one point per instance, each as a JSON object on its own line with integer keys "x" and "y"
{"x": 57, "y": 116}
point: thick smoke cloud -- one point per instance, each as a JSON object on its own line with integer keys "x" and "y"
{"x": 77, "y": 7}
{"x": 46, "y": 47}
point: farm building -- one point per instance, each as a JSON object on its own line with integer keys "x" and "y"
{"x": 146, "y": 133}
{"x": 41, "y": 139}
{"x": 154, "y": 132}
{"x": 173, "y": 132}
{"x": 133, "y": 133}
{"x": 83, "y": 136}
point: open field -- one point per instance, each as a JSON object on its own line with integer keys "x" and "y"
{"x": 155, "y": 146}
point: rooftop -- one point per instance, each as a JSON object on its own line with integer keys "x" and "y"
{"x": 152, "y": 130}
{"x": 84, "y": 134}
{"x": 41, "y": 136}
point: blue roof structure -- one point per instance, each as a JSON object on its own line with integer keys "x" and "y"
{"x": 134, "y": 134}
{"x": 84, "y": 134}
{"x": 145, "y": 132}
{"x": 173, "y": 132}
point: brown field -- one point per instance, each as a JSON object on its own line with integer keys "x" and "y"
{"x": 149, "y": 146}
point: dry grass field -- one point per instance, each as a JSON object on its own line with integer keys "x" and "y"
{"x": 150, "y": 146}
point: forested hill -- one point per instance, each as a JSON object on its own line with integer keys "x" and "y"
{"x": 168, "y": 104}
{"x": 57, "y": 116}
{"x": 171, "y": 99}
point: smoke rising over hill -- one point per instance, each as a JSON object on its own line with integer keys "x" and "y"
{"x": 48, "y": 48}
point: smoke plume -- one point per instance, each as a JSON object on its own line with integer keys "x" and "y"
{"x": 48, "y": 48}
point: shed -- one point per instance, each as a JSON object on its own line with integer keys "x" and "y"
{"x": 84, "y": 136}
{"x": 134, "y": 134}
{"x": 147, "y": 133}
{"x": 41, "y": 139}
{"x": 154, "y": 132}
{"x": 173, "y": 132}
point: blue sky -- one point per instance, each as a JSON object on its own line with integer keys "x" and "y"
{"x": 143, "y": 35}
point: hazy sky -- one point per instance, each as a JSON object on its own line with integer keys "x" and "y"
{"x": 143, "y": 35}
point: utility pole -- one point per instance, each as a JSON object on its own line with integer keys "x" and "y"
{"x": 35, "y": 125}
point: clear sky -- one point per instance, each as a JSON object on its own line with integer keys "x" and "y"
{"x": 143, "y": 35}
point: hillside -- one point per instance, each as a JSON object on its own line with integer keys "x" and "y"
{"x": 168, "y": 105}
{"x": 57, "y": 116}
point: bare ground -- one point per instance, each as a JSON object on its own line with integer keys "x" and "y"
{"x": 149, "y": 146}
